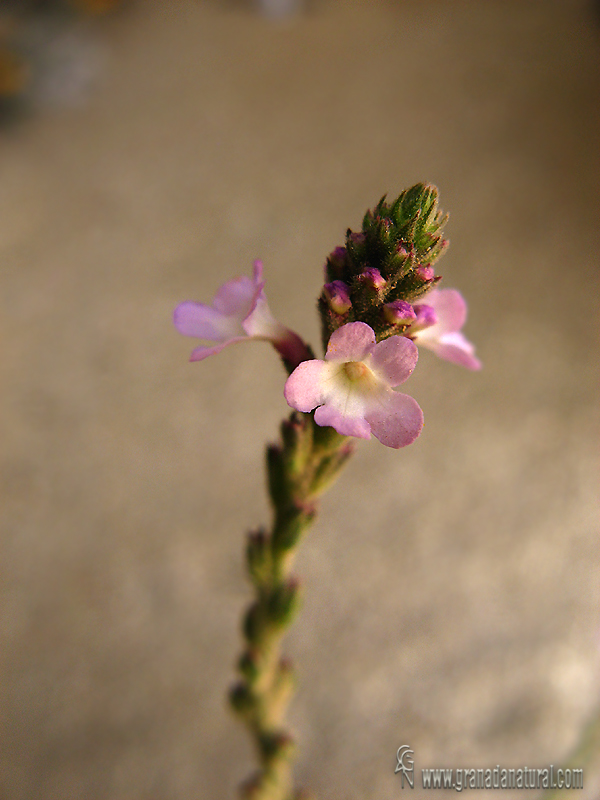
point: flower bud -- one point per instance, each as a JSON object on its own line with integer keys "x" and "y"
{"x": 399, "y": 313}
{"x": 336, "y": 264}
{"x": 357, "y": 238}
{"x": 425, "y": 273}
{"x": 338, "y": 296}
{"x": 372, "y": 278}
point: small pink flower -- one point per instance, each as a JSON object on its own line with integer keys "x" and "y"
{"x": 353, "y": 386}
{"x": 239, "y": 312}
{"x": 438, "y": 325}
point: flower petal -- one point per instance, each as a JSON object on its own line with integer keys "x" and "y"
{"x": 260, "y": 323}
{"x": 346, "y": 426}
{"x": 351, "y": 342}
{"x": 202, "y": 352}
{"x": 238, "y": 313}
{"x": 204, "y": 322}
{"x": 304, "y": 388}
{"x": 238, "y": 296}
{"x": 426, "y": 317}
{"x": 455, "y": 348}
{"x": 451, "y": 312}
{"x": 444, "y": 337}
{"x": 396, "y": 421}
{"x": 394, "y": 359}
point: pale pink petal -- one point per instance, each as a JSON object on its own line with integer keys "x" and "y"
{"x": 395, "y": 420}
{"x": 237, "y": 297}
{"x": 239, "y": 312}
{"x": 444, "y": 337}
{"x": 346, "y": 426}
{"x": 202, "y": 352}
{"x": 257, "y": 270}
{"x": 260, "y": 323}
{"x": 394, "y": 359}
{"x": 359, "y": 401}
{"x": 425, "y": 317}
{"x": 450, "y": 310}
{"x": 204, "y": 322}
{"x": 351, "y": 342}
{"x": 340, "y": 393}
{"x": 455, "y": 348}
{"x": 304, "y": 388}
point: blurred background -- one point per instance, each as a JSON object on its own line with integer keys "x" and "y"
{"x": 151, "y": 150}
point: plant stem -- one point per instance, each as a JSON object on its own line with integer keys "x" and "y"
{"x": 305, "y": 463}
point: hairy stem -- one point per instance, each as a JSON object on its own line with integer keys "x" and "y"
{"x": 300, "y": 468}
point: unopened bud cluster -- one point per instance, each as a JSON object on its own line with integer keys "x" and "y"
{"x": 387, "y": 266}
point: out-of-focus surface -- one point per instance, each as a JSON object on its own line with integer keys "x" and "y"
{"x": 451, "y": 587}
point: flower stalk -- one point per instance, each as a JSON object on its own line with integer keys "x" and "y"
{"x": 300, "y": 468}
{"x": 373, "y": 322}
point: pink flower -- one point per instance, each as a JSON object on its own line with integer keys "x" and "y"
{"x": 438, "y": 325}
{"x": 239, "y": 312}
{"x": 353, "y": 390}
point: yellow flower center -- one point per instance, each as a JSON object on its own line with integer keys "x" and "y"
{"x": 360, "y": 376}
{"x": 355, "y": 370}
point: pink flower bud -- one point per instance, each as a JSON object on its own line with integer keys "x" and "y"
{"x": 426, "y": 273}
{"x": 357, "y": 238}
{"x": 373, "y": 278}
{"x": 338, "y": 296}
{"x": 336, "y": 262}
{"x": 399, "y": 312}
{"x": 339, "y": 254}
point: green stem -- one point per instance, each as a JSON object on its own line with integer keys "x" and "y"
{"x": 305, "y": 463}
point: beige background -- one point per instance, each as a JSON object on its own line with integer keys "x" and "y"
{"x": 451, "y": 587}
